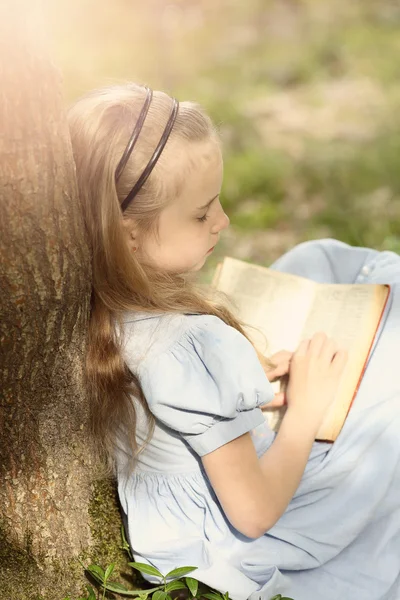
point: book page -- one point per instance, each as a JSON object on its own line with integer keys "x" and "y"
{"x": 349, "y": 314}
{"x": 340, "y": 310}
{"x": 275, "y": 303}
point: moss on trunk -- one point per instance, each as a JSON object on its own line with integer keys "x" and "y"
{"x": 25, "y": 577}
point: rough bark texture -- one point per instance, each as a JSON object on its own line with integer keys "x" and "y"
{"x": 46, "y": 461}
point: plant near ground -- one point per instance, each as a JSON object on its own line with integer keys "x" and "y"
{"x": 179, "y": 580}
{"x": 160, "y": 592}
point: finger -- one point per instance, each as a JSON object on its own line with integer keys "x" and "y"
{"x": 281, "y": 362}
{"x": 339, "y": 362}
{"x": 279, "y": 371}
{"x": 278, "y": 401}
{"x": 303, "y": 348}
{"x": 329, "y": 349}
{"x": 281, "y": 355}
{"x": 317, "y": 342}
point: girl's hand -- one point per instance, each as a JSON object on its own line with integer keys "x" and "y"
{"x": 314, "y": 377}
{"x": 280, "y": 368}
{"x": 281, "y": 361}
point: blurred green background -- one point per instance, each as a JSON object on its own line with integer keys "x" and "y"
{"x": 306, "y": 95}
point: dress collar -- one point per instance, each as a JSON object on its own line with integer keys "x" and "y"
{"x": 132, "y": 316}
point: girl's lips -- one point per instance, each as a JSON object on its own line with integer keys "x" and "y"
{"x": 211, "y": 249}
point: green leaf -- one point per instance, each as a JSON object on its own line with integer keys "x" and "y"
{"x": 124, "y": 540}
{"x": 212, "y": 596}
{"x": 192, "y": 584}
{"x": 175, "y": 585}
{"x": 96, "y": 571}
{"x": 92, "y": 594}
{"x": 109, "y": 570}
{"x": 125, "y": 546}
{"x": 180, "y": 572}
{"x": 148, "y": 569}
{"x": 277, "y": 597}
{"x": 286, "y": 598}
{"x": 115, "y": 587}
{"x": 160, "y": 595}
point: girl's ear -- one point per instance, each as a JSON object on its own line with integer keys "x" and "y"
{"x": 131, "y": 233}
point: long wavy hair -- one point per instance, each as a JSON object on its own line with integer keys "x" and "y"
{"x": 100, "y": 126}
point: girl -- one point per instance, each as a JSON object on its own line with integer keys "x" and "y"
{"x": 177, "y": 387}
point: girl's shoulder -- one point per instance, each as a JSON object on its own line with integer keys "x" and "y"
{"x": 146, "y": 336}
{"x": 200, "y": 377}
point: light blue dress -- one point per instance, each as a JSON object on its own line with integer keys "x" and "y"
{"x": 340, "y": 535}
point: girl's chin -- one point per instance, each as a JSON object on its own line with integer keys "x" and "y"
{"x": 199, "y": 265}
{"x": 187, "y": 270}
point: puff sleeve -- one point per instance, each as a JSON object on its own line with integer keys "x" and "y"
{"x": 208, "y": 386}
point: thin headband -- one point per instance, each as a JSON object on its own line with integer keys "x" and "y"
{"x": 135, "y": 134}
{"x": 157, "y": 152}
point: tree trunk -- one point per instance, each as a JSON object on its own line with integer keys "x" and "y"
{"x": 50, "y": 513}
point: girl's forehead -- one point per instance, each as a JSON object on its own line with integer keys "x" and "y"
{"x": 201, "y": 180}
{"x": 195, "y": 167}
{"x": 206, "y": 159}
{"x": 206, "y": 168}
{"x": 194, "y": 154}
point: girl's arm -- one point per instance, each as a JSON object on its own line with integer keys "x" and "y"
{"x": 254, "y": 492}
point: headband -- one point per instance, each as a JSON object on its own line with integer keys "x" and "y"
{"x": 157, "y": 152}
{"x": 135, "y": 134}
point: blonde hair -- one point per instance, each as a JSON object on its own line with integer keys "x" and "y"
{"x": 100, "y": 125}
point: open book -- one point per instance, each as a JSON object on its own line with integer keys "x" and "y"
{"x": 280, "y": 310}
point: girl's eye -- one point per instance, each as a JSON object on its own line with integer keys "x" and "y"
{"x": 203, "y": 218}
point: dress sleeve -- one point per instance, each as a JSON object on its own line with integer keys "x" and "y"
{"x": 208, "y": 386}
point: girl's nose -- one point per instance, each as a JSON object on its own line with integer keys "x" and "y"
{"x": 222, "y": 223}
{"x": 226, "y": 221}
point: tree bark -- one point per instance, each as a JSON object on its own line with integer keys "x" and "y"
{"x": 46, "y": 459}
